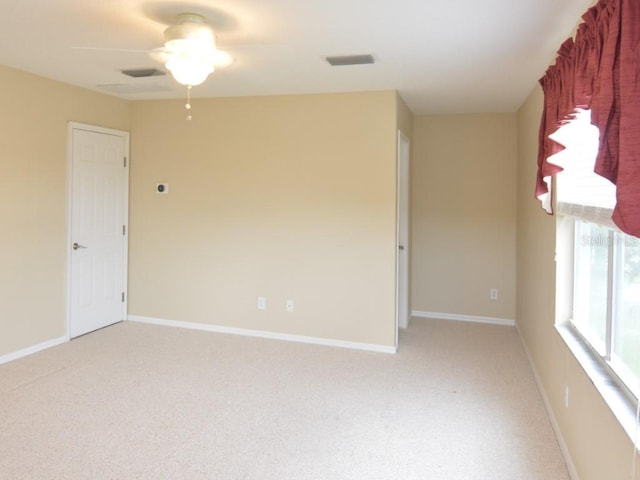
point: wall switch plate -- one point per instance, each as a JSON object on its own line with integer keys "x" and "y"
{"x": 262, "y": 303}
{"x": 289, "y": 305}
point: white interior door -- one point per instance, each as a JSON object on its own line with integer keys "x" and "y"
{"x": 402, "y": 279}
{"x": 98, "y": 224}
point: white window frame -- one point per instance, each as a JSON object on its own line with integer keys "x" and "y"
{"x": 604, "y": 354}
{"x": 619, "y": 397}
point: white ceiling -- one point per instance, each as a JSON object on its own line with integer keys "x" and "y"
{"x": 446, "y": 56}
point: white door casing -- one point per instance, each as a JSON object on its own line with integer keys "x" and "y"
{"x": 98, "y": 223}
{"x": 402, "y": 259}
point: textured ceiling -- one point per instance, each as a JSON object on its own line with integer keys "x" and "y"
{"x": 455, "y": 56}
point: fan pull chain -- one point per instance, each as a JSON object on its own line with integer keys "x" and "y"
{"x": 188, "y": 105}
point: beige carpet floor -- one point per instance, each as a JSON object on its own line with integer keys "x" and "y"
{"x": 134, "y": 401}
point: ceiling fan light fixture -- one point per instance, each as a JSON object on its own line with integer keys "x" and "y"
{"x": 188, "y": 70}
{"x": 190, "y": 50}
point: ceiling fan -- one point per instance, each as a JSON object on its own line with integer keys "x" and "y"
{"x": 190, "y": 51}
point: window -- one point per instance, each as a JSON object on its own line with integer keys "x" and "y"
{"x": 605, "y": 308}
{"x": 606, "y": 299}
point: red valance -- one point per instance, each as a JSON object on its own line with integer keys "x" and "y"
{"x": 600, "y": 71}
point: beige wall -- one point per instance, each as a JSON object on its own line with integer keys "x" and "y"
{"x": 33, "y": 195}
{"x": 463, "y": 214}
{"x": 598, "y": 446}
{"x": 288, "y": 197}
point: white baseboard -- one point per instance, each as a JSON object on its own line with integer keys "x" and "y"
{"x": 564, "y": 449}
{"x": 33, "y": 349}
{"x": 464, "y": 318}
{"x": 264, "y": 334}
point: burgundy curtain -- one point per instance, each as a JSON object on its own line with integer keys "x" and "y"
{"x": 600, "y": 71}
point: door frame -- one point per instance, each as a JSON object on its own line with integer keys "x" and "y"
{"x": 403, "y": 218}
{"x": 71, "y": 126}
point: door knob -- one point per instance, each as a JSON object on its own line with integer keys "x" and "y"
{"x": 401, "y": 247}
{"x": 76, "y": 246}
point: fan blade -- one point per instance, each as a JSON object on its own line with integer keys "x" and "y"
{"x": 222, "y": 58}
{"x": 107, "y": 49}
{"x": 159, "y": 54}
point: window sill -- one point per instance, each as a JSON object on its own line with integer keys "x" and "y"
{"x": 623, "y": 407}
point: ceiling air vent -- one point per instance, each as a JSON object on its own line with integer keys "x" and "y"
{"x": 143, "y": 72}
{"x": 341, "y": 61}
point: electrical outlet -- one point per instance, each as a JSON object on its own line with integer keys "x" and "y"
{"x": 262, "y": 303}
{"x": 289, "y": 305}
{"x": 493, "y": 294}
